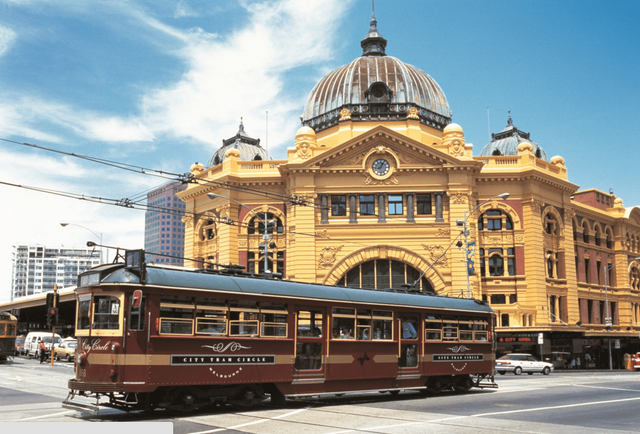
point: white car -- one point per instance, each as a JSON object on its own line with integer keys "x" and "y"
{"x": 519, "y": 363}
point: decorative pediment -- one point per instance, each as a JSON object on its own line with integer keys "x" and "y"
{"x": 400, "y": 151}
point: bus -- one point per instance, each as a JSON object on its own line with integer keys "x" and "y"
{"x": 154, "y": 337}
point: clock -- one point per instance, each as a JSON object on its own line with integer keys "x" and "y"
{"x": 380, "y": 167}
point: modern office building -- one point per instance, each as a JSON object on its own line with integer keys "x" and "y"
{"x": 37, "y": 268}
{"x": 164, "y": 228}
{"x": 381, "y": 190}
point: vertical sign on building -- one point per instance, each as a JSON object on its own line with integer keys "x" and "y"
{"x": 471, "y": 251}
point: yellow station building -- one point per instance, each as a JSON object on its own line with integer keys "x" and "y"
{"x": 380, "y": 188}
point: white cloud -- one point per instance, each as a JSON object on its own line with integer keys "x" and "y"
{"x": 7, "y": 37}
{"x": 243, "y": 74}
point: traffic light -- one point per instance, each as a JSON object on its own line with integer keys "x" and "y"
{"x": 50, "y": 296}
{"x": 52, "y": 316}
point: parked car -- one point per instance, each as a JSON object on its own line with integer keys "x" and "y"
{"x": 519, "y": 363}
{"x": 66, "y": 350}
{"x": 19, "y": 347}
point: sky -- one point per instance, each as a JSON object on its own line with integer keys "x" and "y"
{"x": 160, "y": 84}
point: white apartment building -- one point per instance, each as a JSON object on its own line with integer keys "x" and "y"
{"x": 36, "y": 268}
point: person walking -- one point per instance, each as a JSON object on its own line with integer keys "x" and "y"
{"x": 587, "y": 360}
{"x": 43, "y": 351}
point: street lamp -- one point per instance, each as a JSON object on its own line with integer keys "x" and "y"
{"x": 99, "y": 235}
{"x": 267, "y": 225}
{"x": 465, "y": 232}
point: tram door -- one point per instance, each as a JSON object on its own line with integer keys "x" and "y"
{"x": 310, "y": 345}
{"x": 136, "y": 333}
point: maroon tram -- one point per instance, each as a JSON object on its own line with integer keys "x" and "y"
{"x": 153, "y": 337}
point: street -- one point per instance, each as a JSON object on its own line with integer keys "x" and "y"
{"x": 567, "y": 402}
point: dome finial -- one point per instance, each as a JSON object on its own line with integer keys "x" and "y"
{"x": 373, "y": 44}
{"x": 509, "y": 120}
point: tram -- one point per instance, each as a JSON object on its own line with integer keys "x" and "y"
{"x": 8, "y": 327}
{"x": 157, "y": 337}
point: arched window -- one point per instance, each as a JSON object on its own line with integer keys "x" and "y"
{"x": 609, "y": 238}
{"x": 550, "y": 224}
{"x": 597, "y": 235}
{"x": 495, "y": 220}
{"x": 585, "y": 232}
{"x": 208, "y": 230}
{"x": 493, "y": 260}
{"x": 275, "y": 256}
{"x": 384, "y": 274}
{"x": 256, "y": 225}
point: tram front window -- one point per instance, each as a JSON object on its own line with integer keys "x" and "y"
{"x": 84, "y": 307}
{"x": 106, "y": 310}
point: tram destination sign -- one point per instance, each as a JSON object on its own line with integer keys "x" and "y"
{"x": 458, "y": 357}
{"x": 207, "y": 360}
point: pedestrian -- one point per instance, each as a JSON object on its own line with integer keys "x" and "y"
{"x": 578, "y": 362}
{"x": 43, "y": 351}
{"x": 408, "y": 331}
{"x": 587, "y": 360}
{"x": 572, "y": 363}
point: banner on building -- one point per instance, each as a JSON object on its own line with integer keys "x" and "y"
{"x": 471, "y": 251}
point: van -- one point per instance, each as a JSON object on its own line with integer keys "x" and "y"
{"x": 31, "y": 346}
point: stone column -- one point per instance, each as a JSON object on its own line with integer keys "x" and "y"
{"x": 381, "y": 208}
{"x": 324, "y": 209}
{"x": 410, "y": 217}
{"x": 353, "y": 212}
{"x": 439, "y": 195}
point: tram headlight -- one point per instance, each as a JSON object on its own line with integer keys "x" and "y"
{"x": 82, "y": 358}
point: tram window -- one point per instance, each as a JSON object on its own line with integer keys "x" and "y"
{"x": 308, "y": 356}
{"x": 211, "y": 316}
{"x": 479, "y": 330}
{"x": 273, "y": 317}
{"x": 450, "y": 328}
{"x": 243, "y": 324}
{"x": 84, "y": 306}
{"x": 409, "y": 323}
{"x": 363, "y": 325}
{"x": 11, "y": 330}
{"x": 106, "y": 312}
{"x": 176, "y": 315}
{"x": 136, "y": 314}
{"x": 309, "y": 324}
{"x": 433, "y": 328}
{"x": 2, "y": 328}
{"x": 344, "y": 321}
{"x": 465, "y": 326}
{"x": 382, "y": 325}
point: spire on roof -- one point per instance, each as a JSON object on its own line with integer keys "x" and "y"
{"x": 373, "y": 44}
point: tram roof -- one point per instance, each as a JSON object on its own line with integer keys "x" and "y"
{"x": 183, "y": 279}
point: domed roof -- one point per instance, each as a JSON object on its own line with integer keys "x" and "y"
{"x": 506, "y": 142}
{"x": 249, "y": 148}
{"x": 376, "y": 87}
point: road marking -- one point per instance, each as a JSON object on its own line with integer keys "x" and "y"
{"x": 252, "y": 423}
{"x": 47, "y": 415}
{"x": 498, "y": 413}
{"x": 606, "y": 388}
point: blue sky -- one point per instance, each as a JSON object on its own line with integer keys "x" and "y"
{"x": 160, "y": 83}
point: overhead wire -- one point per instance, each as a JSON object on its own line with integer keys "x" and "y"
{"x": 177, "y": 177}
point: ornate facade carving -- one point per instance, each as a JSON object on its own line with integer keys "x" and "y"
{"x": 434, "y": 253}
{"x": 328, "y": 256}
{"x": 413, "y": 113}
{"x": 444, "y": 232}
{"x": 345, "y": 114}
{"x": 322, "y": 234}
{"x": 459, "y": 198}
{"x": 392, "y": 180}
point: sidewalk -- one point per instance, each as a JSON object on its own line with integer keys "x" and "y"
{"x": 583, "y": 371}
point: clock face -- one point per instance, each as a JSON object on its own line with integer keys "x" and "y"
{"x": 380, "y": 167}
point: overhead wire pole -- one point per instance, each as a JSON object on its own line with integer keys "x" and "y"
{"x": 465, "y": 231}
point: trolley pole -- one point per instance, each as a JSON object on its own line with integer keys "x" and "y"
{"x": 53, "y": 327}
